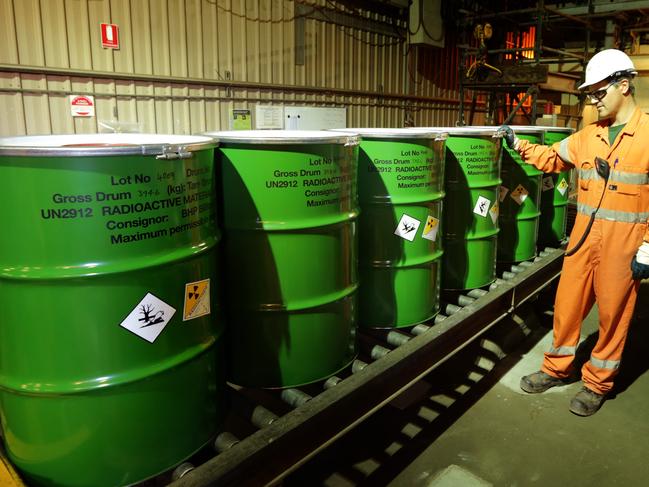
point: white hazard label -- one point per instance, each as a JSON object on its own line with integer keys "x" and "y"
{"x": 148, "y": 318}
{"x": 431, "y": 228}
{"x": 494, "y": 213}
{"x": 519, "y": 195}
{"x": 562, "y": 187}
{"x": 481, "y": 206}
{"x": 407, "y": 227}
{"x": 502, "y": 192}
{"x": 197, "y": 299}
{"x": 548, "y": 184}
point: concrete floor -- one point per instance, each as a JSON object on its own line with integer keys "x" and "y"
{"x": 469, "y": 425}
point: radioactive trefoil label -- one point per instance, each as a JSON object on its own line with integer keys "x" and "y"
{"x": 562, "y": 187}
{"x": 431, "y": 228}
{"x": 149, "y": 317}
{"x": 520, "y": 194}
{"x": 548, "y": 184}
{"x": 494, "y": 213}
{"x": 502, "y": 192}
{"x": 481, "y": 206}
{"x": 197, "y": 299}
{"x": 407, "y": 227}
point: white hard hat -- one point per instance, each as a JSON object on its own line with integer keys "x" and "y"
{"x": 605, "y": 64}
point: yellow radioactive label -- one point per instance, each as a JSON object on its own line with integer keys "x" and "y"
{"x": 197, "y": 299}
{"x": 430, "y": 229}
{"x": 431, "y": 222}
{"x": 494, "y": 212}
{"x": 563, "y": 185}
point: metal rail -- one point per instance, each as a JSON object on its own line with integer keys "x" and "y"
{"x": 224, "y": 84}
{"x": 285, "y": 443}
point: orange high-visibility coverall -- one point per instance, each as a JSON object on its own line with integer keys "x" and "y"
{"x": 600, "y": 270}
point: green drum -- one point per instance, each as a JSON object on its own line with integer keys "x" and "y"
{"x": 400, "y": 189}
{"x": 471, "y": 207}
{"x": 110, "y": 346}
{"x": 290, "y": 250}
{"x": 554, "y": 196}
{"x": 519, "y": 197}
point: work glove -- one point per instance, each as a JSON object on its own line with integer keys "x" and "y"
{"x": 640, "y": 262}
{"x": 509, "y": 136}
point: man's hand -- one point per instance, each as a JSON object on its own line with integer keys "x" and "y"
{"x": 509, "y": 136}
{"x": 640, "y": 262}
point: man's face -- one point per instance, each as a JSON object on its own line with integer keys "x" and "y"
{"x": 607, "y": 97}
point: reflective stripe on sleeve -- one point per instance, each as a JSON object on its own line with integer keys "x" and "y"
{"x": 563, "y": 150}
{"x": 613, "y": 215}
{"x": 605, "y": 364}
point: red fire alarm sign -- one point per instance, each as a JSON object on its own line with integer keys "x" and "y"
{"x": 109, "y": 36}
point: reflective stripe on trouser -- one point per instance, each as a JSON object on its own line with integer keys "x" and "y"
{"x": 600, "y": 269}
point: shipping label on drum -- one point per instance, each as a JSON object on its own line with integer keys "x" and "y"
{"x": 502, "y": 192}
{"x": 520, "y": 194}
{"x": 481, "y": 206}
{"x": 431, "y": 228}
{"x": 148, "y": 318}
{"x": 197, "y": 299}
{"x": 407, "y": 227}
{"x": 562, "y": 187}
{"x": 548, "y": 184}
{"x": 494, "y": 213}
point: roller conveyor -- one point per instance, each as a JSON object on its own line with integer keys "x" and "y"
{"x": 306, "y": 420}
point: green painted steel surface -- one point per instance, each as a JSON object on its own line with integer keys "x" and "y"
{"x": 471, "y": 208}
{"x": 101, "y": 383}
{"x": 401, "y": 189}
{"x": 554, "y": 197}
{"x": 290, "y": 244}
{"x": 520, "y": 195}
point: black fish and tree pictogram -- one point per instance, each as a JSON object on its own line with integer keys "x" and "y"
{"x": 150, "y": 319}
{"x": 407, "y": 228}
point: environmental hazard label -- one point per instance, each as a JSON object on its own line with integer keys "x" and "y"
{"x": 431, "y": 228}
{"x": 562, "y": 187}
{"x": 197, "y": 299}
{"x": 407, "y": 227}
{"x": 148, "y": 318}
{"x": 481, "y": 206}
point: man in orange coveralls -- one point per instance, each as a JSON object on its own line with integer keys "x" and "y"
{"x": 614, "y": 256}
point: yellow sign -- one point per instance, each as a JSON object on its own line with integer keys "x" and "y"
{"x": 197, "y": 299}
{"x": 563, "y": 186}
{"x": 430, "y": 229}
{"x": 241, "y": 119}
{"x": 494, "y": 212}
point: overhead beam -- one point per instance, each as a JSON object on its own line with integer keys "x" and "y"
{"x": 602, "y": 7}
{"x": 343, "y": 19}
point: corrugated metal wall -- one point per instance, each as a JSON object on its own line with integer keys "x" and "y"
{"x": 184, "y": 64}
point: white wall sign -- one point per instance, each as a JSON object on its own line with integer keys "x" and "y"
{"x": 82, "y": 106}
{"x": 269, "y": 117}
{"x": 314, "y": 118}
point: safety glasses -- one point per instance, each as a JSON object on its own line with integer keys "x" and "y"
{"x": 598, "y": 95}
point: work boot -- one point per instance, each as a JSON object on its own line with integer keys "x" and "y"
{"x": 586, "y": 402}
{"x": 539, "y": 382}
